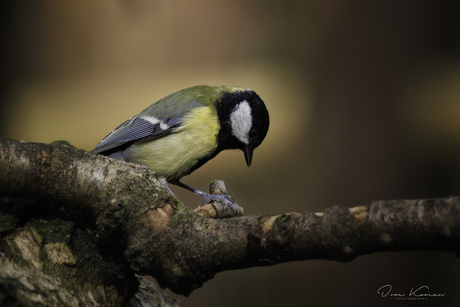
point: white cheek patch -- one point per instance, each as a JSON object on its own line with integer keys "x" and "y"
{"x": 241, "y": 120}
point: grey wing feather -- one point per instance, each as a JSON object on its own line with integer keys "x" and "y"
{"x": 137, "y": 130}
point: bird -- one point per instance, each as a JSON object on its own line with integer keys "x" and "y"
{"x": 182, "y": 131}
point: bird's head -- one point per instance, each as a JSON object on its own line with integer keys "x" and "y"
{"x": 244, "y": 121}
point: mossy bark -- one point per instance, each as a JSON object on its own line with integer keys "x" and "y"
{"x": 87, "y": 221}
{"x": 66, "y": 216}
{"x": 51, "y": 260}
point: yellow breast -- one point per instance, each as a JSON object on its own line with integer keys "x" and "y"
{"x": 174, "y": 155}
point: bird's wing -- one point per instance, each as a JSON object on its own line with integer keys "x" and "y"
{"x": 138, "y": 129}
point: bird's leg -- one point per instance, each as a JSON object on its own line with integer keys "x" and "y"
{"x": 224, "y": 199}
{"x": 165, "y": 183}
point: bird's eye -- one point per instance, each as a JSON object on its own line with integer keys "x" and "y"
{"x": 252, "y": 134}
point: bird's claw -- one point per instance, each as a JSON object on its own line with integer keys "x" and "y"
{"x": 222, "y": 198}
{"x": 225, "y": 201}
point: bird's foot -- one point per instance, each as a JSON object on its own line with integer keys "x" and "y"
{"x": 223, "y": 203}
{"x": 224, "y": 199}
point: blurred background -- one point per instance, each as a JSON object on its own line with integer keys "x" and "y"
{"x": 364, "y": 99}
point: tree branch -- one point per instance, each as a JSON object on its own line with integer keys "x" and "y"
{"x": 156, "y": 235}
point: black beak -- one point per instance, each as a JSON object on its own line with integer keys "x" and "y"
{"x": 248, "y": 154}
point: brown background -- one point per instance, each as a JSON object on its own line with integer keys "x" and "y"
{"x": 364, "y": 98}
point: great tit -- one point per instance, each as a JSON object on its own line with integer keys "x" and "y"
{"x": 182, "y": 131}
